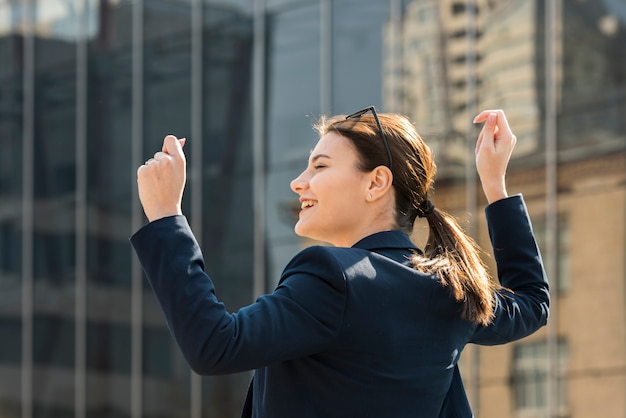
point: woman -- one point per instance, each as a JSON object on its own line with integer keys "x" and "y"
{"x": 372, "y": 326}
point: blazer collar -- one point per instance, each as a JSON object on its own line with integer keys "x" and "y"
{"x": 386, "y": 239}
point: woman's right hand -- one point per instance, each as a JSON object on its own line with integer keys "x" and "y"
{"x": 493, "y": 151}
{"x": 161, "y": 180}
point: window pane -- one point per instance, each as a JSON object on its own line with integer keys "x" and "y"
{"x": 54, "y": 202}
{"x": 357, "y": 54}
{"x": 227, "y": 240}
{"x": 109, "y": 199}
{"x": 530, "y": 373}
{"x": 293, "y": 106}
{"x": 167, "y": 110}
{"x": 11, "y": 102}
{"x": 594, "y": 77}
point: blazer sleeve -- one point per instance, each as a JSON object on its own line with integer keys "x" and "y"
{"x": 299, "y": 318}
{"x": 522, "y": 306}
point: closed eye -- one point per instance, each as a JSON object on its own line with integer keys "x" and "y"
{"x": 315, "y": 161}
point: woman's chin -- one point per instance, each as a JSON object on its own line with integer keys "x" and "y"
{"x": 304, "y": 232}
{"x": 299, "y": 230}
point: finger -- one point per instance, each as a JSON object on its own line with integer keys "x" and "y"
{"x": 172, "y": 146}
{"x": 479, "y": 142}
{"x": 143, "y": 171}
{"x": 489, "y": 129}
{"x": 165, "y": 140}
{"x": 502, "y": 122}
{"x": 481, "y": 116}
{"x": 158, "y": 156}
{"x": 181, "y": 141}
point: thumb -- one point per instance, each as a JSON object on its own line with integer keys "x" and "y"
{"x": 489, "y": 129}
{"x": 173, "y": 146}
{"x": 491, "y": 123}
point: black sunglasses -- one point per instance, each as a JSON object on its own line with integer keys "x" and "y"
{"x": 361, "y": 112}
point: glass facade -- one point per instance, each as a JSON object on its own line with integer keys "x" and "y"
{"x": 593, "y": 78}
{"x": 89, "y": 88}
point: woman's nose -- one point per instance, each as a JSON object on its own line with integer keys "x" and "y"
{"x": 298, "y": 184}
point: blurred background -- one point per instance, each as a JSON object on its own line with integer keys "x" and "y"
{"x": 89, "y": 88}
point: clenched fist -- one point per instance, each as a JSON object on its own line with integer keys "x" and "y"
{"x": 161, "y": 180}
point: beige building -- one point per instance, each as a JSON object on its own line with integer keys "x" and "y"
{"x": 575, "y": 367}
{"x": 590, "y": 308}
{"x": 440, "y": 77}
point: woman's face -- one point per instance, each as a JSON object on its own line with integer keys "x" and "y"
{"x": 333, "y": 193}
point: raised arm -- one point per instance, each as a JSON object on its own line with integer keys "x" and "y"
{"x": 522, "y": 306}
{"x": 288, "y": 323}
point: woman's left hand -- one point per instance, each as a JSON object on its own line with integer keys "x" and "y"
{"x": 493, "y": 150}
{"x": 161, "y": 180}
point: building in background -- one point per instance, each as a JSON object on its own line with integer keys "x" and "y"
{"x": 520, "y": 61}
{"x": 89, "y": 88}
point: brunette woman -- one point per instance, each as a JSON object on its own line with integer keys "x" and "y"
{"x": 372, "y": 326}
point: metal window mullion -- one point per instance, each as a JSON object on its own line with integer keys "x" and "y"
{"x": 258, "y": 148}
{"x": 395, "y": 61}
{"x": 28, "y": 124}
{"x": 80, "y": 380}
{"x": 471, "y": 185}
{"x": 136, "y": 378}
{"x": 326, "y": 56}
{"x": 197, "y": 20}
{"x": 551, "y": 67}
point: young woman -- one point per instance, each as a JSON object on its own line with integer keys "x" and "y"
{"x": 372, "y": 326}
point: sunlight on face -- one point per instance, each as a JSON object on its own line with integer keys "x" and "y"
{"x": 332, "y": 193}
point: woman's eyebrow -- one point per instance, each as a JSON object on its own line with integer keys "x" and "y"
{"x": 317, "y": 157}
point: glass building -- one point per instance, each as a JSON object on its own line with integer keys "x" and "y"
{"x": 89, "y": 88}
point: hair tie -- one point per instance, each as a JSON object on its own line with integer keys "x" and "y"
{"x": 425, "y": 209}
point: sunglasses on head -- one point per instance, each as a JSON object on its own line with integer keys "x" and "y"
{"x": 361, "y": 112}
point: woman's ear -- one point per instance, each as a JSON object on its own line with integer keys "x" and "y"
{"x": 380, "y": 181}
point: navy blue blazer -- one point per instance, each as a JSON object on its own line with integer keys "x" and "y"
{"x": 348, "y": 332}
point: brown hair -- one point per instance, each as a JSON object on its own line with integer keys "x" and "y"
{"x": 449, "y": 252}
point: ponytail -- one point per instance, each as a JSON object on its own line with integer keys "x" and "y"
{"x": 455, "y": 258}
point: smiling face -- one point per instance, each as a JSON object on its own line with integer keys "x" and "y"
{"x": 334, "y": 194}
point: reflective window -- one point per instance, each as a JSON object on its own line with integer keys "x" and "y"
{"x": 593, "y": 78}
{"x": 109, "y": 203}
{"x": 54, "y": 186}
{"x": 293, "y": 104}
{"x": 11, "y": 333}
{"x": 107, "y": 345}
{"x": 53, "y": 344}
{"x": 357, "y": 52}
{"x": 11, "y": 213}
